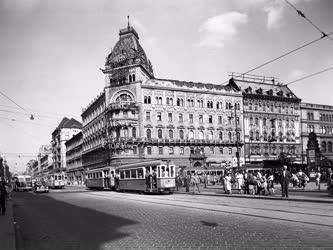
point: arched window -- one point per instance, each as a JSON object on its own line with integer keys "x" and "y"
{"x": 229, "y": 136}
{"x": 191, "y": 134}
{"x": 148, "y": 133}
{"x": 257, "y": 136}
{"x": 220, "y": 135}
{"x": 210, "y": 135}
{"x": 159, "y": 134}
{"x": 134, "y": 132}
{"x": 133, "y": 77}
{"x": 170, "y": 134}
{"x": 323, "y": 146}
{"x": 265, "y": 135}
{"x": 201, "y": 135}
{"x": 329, "y": 145}
{"x": 181, "y": 134}
{"x": 130, "y": 78}
{"x": 251, "y": 136}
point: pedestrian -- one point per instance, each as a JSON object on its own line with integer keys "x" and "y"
{"x": 246, "y": 182}
{"x": 205, "y": 179}
{"x": 239, "y": 181}
{"x": 227, "y": 183}
{"x": 318, "y": 175}
{"x": 284, "y": 181}
{"x": 3, "y": 194}
{"x": 195, "y": 182}
{"x": 270, "y": 183}
{"x": 187, "y": 182}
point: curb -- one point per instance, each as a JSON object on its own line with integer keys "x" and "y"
{"x": 258, "y": 197}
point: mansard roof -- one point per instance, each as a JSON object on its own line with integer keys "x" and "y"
{"x": 128, "y": 51}
{"x": 169, "y": 83}
{"x": 266, "y": 88}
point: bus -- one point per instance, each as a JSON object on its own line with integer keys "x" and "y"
{"x": 148, "y": 177}
{"x": 101, "y": 178}
{"x": 56, "y": 180}
{"x": 22, "y": 183}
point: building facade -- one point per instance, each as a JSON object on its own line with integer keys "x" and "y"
{"x": 318, "y": 118}
{"x": 74, "y": 168}
{"x": 194, "y": 125}
{"x": 46, "y": 162}
{"x": 271, "y": 119}
{"x": 66, "y": 130}
{"x": 43, "y": 150}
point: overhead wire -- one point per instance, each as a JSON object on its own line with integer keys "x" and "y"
{"x": 285, "y": 54}
{"x": 31, "y": 115}
{"x": 311, "y": 75}
{"x": 300, "y": 13}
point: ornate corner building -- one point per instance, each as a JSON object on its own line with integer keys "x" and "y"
{"x": 140, "y": 117}
{"x": 271, "y": 118}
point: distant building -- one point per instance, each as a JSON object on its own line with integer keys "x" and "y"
{"x": 271, "y": 119}
{"x": 46, "y": 163}
{"x": 65, "y": 131}
{"x": 74, "y": 169}
{"x": 318, "y": 118}
{"x": 43, "y": 150}
{"x": 140, "y": 117}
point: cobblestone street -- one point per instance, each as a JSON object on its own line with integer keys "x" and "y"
{"x": 79, "y": 219}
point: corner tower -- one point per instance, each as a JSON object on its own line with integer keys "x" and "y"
{"x": 127, "y": 61}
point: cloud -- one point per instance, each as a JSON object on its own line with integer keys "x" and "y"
{"x": 274, "y": 15}
{"x": 296, "y": 74}
{"x": 219, "y": 29}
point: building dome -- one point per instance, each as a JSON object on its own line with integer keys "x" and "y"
{"x": 128, "y": 51}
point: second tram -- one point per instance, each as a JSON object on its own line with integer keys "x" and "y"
{"x": 102, "y": 178}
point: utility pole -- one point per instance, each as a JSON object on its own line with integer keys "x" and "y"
{"x": 237, "y": 139}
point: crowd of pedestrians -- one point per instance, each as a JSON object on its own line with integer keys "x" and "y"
{"x": 258, "y": 182}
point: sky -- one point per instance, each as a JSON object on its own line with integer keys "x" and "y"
{"x": 51, "y": 53}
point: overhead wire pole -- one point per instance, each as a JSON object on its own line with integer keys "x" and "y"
{"x": 300, "y": 13}
{"x": 311, "y": 75}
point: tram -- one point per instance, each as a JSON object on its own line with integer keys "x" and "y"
{"x": 56, "y": 180}
{"x": 150, "y": 177}
{"x": 101, "y": 178}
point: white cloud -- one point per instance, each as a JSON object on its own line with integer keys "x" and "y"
{"x": 274, "y": 15}
{"x": 296, "y": 74}
{"x": 219, "y": 29}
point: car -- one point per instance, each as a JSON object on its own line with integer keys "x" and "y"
{"x": 41, "y": 187}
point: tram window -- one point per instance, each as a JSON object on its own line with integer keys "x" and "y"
{"x": 159, "y": 171}
{"x": 133, "y": 173}
{"x": 112, "y": 174}
{"x": 122, "y": 174}
{"x": 140, "y": 173}
{"x": 172, "y": 171}
{"x": 127, "y": 174}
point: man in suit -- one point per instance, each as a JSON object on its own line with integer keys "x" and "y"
{"x": 285, "y": 176}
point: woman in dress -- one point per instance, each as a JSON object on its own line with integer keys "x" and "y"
{"x": 227, "y": 183}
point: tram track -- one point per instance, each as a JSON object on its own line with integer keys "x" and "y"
{"x": 279, "y": 215}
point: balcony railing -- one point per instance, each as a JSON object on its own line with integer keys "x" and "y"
{"x": 123, "y": 105}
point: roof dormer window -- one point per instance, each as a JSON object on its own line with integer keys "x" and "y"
{"x": 259, "y": 91}
{"x": 269, "y": 92}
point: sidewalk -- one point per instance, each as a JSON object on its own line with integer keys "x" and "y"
{"x": 7, "y": 230}
{"x": 217, "y": 190}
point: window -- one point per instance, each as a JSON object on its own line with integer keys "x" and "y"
{"x": 250, "y": 106}
{"x": 181, "y": 119}
{"x": 159, "y": 134}
{"x": 256, "y": 121}
{"x": 148, "y": 133}
{"x": 170, "y": 134}
{"x": 257, "y": 136}
{"x": 160, "y": 150}
{"x": 200, "y": 118}
{"x": 135, "y": 150}
{"x": 181, "y": 134}
{"x": 329, "y": 144}
{"x": 210, "y": 119}
{"x": 323, "y": 146}
{"x": 148, "y": 150}
{"x": 229, "y": 136}
{"x": 201, "y": 135}
{"x": 220, "y": 135}
{"x": 147, "y": 116}
{"x": 159, "y": 116}
{"x": 211, "y": 150}
{"x": 147, "y": 100}
{"x": 237, "y": 120}
{"x": 264, "y": 121}
{"x": 251, "y": 120}
{"x": 181, "y": 150}
{"x": 265, "y": 135}
{"x": 170, "y": 150}
{"x": 169, "y": 117}
{"x": 230, "y": 151}
{"x": 191, "y": 134}
{"x": 210, "y": 135}
{"x": 220, "y": 119}
{"x": 251, "y": 136}
{"x": 190, "y": 116}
